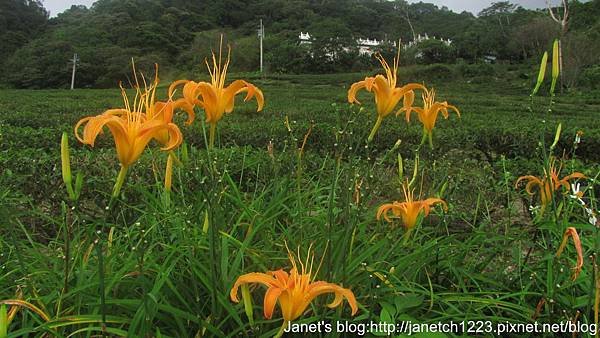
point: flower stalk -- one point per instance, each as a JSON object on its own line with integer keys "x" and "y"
{"x": 66, "y": 166}
{"x": 119, "y": 182}
{"x": 375, "y": 128}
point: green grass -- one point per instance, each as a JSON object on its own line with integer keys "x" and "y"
{"x": 164, "y": 271}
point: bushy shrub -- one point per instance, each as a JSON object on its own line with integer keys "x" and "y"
{"x": 437, "y": 71}
{"x": 591, "y": 77}
{"x": 476, "y": 69}
{"x": 435, "y": 51}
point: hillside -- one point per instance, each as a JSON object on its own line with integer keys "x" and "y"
{"x": 178, "y": 34}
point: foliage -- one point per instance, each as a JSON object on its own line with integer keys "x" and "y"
{"x": 169, "y": 267}
{"x": 434, "y": 51}
{"x": 176, "y": 34}
{"x": 20, "y": 22}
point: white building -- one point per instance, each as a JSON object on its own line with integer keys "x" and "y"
{"x": 425, "y": 37}
{"x": 368, "y": 46}
{"x": 365, "y": 46}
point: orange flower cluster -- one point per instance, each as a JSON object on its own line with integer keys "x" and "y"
{"x": 387, "y": 96}
{"x": 144, "y": 119}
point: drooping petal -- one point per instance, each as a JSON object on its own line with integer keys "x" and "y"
{"x": 407, "y": 102}
{"x": 270, "y": 300}
{"x": 384, "y": 209}
{"x": 572, "y": 232}
{"x": 253, "y": 277}
{"x": 149, "y": 130}
{"x": 565, "y": 180}
{"x": 418, "y": 110}
{"x": 354, "y": 89}
{"x": 281, "y": 277}
{"x": 174, "y": 85}
{"x": 78, "y": 125}
{"x": 432, "y": 201}
{"x": 175, "y": 137}
{"x": 240, "y": 86}
{"x": 254, "y": 92}
{"x": 162, "y": 110}
{"x": 411, "y": 87}
{"x": 319, "y": 288}
{"x": 449, "y": 106}
{"x": 187, "y": 107}
{"x": 339, "y": 297}
{"x": 210, "y": 101}
{"x": 189, "y": 91}
{"x": 528, "y": 178}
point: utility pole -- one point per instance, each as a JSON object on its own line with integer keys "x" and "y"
{"x": 74, "y": 61}
{"x": 261, "y": 35}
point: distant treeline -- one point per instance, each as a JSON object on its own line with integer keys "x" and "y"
{"x": 179, "y": 34}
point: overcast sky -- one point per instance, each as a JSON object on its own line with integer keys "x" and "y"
{"x": 474, "y": 6}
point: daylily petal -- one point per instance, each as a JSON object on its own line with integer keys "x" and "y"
{"x": 281, "y": 277}
{"x": 354, "y": 89}
{"x": 187, "y": 107}
{"x": 319, "y": 288}
{"x": 253, "y": 91}
{"x": 383, "y": 210}
{"x": 174, "y": 85}
{"x": 175, "y": 137}
{"x": 253, "y": 277}
{"x": 132, "y": 127}
{"x": 270, "y": 300}
{"x": 293, "y": 291}
{"x": 565, "y": 180}
{"x": 410, "y": 209}
{"x": 407, "y": 102}
{"x": 572, "y": 232}
{"x": 528, "y": 178}
{"x": 431, "y": 201}
{"x": 213, "y": 97}
{"x": 339, "y": 297}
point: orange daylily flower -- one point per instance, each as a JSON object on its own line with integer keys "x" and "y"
{"x": 132, "y": 128}
{"x": 572, "y": 232}
{"x": 548, "y": 183}
{"x": 216, "y": 98}
{"x": 384, "y": 88}
{"x": 294, "y": 291}
{"x": 162, "y": 110}
{"x": 409, "y": 210}
{"x": 429, "y": 113}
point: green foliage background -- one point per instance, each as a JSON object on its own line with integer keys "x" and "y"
{"x": 179, "y": 34}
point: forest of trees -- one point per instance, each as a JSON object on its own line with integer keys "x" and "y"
{"x": 178, "y": 34}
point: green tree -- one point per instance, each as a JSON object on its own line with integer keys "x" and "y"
{"x": 435, "y": 51}
{"x": 20, "y": 21}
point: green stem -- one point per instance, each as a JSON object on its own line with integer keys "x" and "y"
{"x": 101, "y": 285}
{"x": 211, "y": 140}
{"x": 119, "y": 182}
{"x": 99, "y": 242}
{"x": 67, "y": 249}
{"x": 212, "y": 242}
{"x": 281, "y": 329}
{"x": 424, "y": 138}
{"x": 406, "y": 236}
{"x": 375, "y": 127}
{"x": 430, "y": 137}
{"x": 70, "y": 191}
